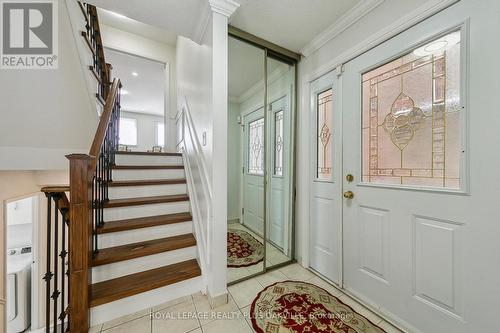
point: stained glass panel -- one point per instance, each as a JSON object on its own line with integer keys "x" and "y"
{"x": 278, "y": 143}
{"x": 256, "y": 147}
{"x": 324, "y": 125}
{"x": 411, "y": 117}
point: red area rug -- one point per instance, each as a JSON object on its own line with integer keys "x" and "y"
{"x": 243, "y": 249}
{"x": 296, "y": 307}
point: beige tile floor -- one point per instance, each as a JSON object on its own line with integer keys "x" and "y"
{"x": 178, "y": 316}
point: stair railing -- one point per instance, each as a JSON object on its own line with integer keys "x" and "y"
{"x": 92, "y": 36}
{"x": 57, "y": 270}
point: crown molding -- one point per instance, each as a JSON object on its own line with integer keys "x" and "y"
{"x": 414, "y": 17}
{"x": 224, "y": 7}
{"x": 203, "y": 21}
{"x": 344, "y": 22}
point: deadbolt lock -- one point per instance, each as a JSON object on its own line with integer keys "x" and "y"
{"x": 349, "y": 178}
{"x": 348, "y": 195}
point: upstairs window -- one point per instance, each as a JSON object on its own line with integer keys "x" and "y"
{"x": 128, "y": 131}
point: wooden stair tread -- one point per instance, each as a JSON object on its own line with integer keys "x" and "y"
{"x": 141, "y": 249}
{"x": 145, "y": 200}
{"x": 119, "y": 183}
{"x": 129, "y": 285}
{"x": 143, "y": 222}
{"x": 147, "y": 153}
{"x": 146, "y": 167}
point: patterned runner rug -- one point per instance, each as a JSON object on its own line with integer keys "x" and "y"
{"x": 296, "y": 307}
{"x": 243, "y": 249}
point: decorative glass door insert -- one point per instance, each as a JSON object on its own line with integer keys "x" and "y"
{"x": 324, "y": 125}
{"x": 411, "y": 117}
{"x": 256, "y": 147}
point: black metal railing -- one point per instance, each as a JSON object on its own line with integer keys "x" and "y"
{"x": 57, "y": 261}
{"x": 93, "y": 35}
{"x": 103, "y": 171}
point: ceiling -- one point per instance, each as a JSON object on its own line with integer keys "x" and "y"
{"x": 288, "y": 23}
{"x": 124, "y": 23}
{"x": 143, "y": 93}
{"x": 291, "y": 24}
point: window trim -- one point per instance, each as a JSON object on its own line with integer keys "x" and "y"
{"x": 157, "y": 125}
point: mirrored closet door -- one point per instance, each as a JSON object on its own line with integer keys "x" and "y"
{"x": 260, "y": 160}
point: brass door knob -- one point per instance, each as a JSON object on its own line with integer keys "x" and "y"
{"x": 348, "y": 195}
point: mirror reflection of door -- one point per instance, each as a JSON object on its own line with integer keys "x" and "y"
{"x": 260, "y": 161}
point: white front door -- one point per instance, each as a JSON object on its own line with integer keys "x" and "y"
{"x": 253, "y": 172}
{"x": 405, "y": 125}
{"x": 325, "y": 232}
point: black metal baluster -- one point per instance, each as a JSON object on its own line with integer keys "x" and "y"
{"x": 63, "y": 254}
{"x": 55, "y": 294}
{"x": 48, "y": 274}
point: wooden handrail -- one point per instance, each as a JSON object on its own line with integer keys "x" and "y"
{"x": 104, "y": 121}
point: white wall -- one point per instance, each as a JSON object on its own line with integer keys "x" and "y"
{"x": 45, "y": 114}
{"x": 146, "y": 128}
{"x": 130, "y": 43}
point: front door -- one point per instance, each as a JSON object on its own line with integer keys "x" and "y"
{"x": 253, "y": 171}
{"x": 407, "y": 209}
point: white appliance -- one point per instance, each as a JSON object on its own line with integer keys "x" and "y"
{"x": 18, "y": 289}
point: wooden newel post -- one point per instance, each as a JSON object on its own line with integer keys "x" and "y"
{"x": 80, "y": 240}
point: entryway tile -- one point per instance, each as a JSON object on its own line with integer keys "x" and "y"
{"x": 237, "y": 325}
{"x": 180, "y": 318}
{"x": 271, "y": 277}
{"x": 121, "y": 320}
{"x": 297, "y": 272}
{"x": 244, "y": 292}
{"x": 137, "y": 325}
{"x": 95, "y": 329}
{"x": 325, "y": 285}
{"x": 207, "y": 314}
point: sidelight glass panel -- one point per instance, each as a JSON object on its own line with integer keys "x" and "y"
{"x": 324, "y": 125}
{"x": 278, "y": 143}
{"x": 411, "y": 117}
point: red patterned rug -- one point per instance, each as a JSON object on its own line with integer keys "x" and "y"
{"x": 296, "y": 307}
{"x": 243, "y": 249}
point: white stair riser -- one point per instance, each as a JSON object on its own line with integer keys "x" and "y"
{"x": 130, "y": 212}
{"x": 148, "y": 174}
{"x": 147, "y": 160}
{"x": 144, "y": 234}
{"x": 136, "y": 303}
{"x": 127, "y": 267}
{"x": 121, "y": 192}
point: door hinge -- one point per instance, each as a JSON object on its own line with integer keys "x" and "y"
{"x": 339, "y": 70}
{"x": 242, "y": 211}
{"x": 242, "y": 169}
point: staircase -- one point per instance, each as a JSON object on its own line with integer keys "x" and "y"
{"x": 146, "y": 241}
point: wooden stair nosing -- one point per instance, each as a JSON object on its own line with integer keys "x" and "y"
{"x": 141, "y": 249}
{"x": 143, "y": 222}
{"x": 147, "y": 153}
{"x": 147, "y": 167}
{"x": 113, "y": 203}
{"x": 129, "y": 285}
{"x": 123, "y": 183}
